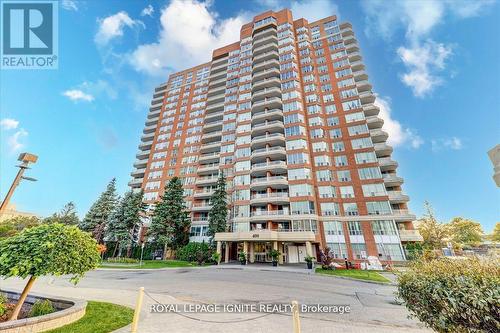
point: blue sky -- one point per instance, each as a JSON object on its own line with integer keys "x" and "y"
{"x": 433, "y": 64}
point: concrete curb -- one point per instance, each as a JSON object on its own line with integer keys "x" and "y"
{"x": 358, "y": 280}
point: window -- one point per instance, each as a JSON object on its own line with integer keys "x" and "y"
{"x": 296, "y": 144}
{"x": 333, "y": 121}
{"x": 374, "y": 190}
{"x": 326, "y": 191}
{"x": 324, "y": 175}
{"x": 302, "y": 173}
{"x": 338, "y": 147}
{"x": 350, "y": 209}
{"x": 320, "y": 146}
{"x": 338, "y": 250}
{"x": 354, "y": 228}
{"x": 317, "y": 133}
{"x": 333, "y": 228}
{"x": 293, "y": 118}
{"x": 346, "y": 192}
{"x": 340, "y": 160}
{"x": 361, "y": 143}
{"x": 242, "y": 166}
{"x": 322, "y": 160}
{"x": 384, "y": 228}
{"x": 335, "y": 133}
{"x": 295, "y": 130}
{"x": 369, "y": 173}
{"x": 390, "y": 252}
{"x": 378, "y": 208}
{"x": 305, "y": 225}
{"x": 349, "y": 105}
{"x": 359, "y": 250}
{"x": 329, "y": 209}
{"x": 302, "y": 207}
{"x": 299, "y": 190}
{"x": 358, "y": 129}
{"x": 356, "y": 116}
{"x": 368, "y": 157}
{"x": 315, "y": 121}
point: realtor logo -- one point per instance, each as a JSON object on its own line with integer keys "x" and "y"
{"x": 29, "y": 35}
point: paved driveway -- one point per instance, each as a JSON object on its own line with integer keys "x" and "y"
{"x": 372, "y": 306}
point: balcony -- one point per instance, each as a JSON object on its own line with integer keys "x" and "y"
{"x": 147, "y": 137}
{"x": 274, "y": 114}
{"x": 218, "y": 67}
{"x": 216, "y": 91}
{"x": 275, "y": 166}
{"x": 203, "y": 194}
{"x": 269, "y": 103}
{"x": 403, "y": 215}
{"x": 207, "y": 180}
{"x": 371, "y": 110}
{"x": 214, "y": 99}
{"x": 156, "y": 101}
{"x": 140, "y": 163}
{"x": 208, "y": 168}
{"x": 267, "y": 83}
{"x": 270, "y": 46}
{"x": 212, "y": 126}
{"x": 382, "y": 149}
{"x": 264, "y": 40}
{"x": 374, "y": 122}
{"x": 354, "y": 56}
{"x": 138, "y": 173}
{"x": 214, "y": 116}
{"x": 349, "y": 40}
{"x": 378, "y": 135}
{"x": 135, "y": 183}
{"x": 264, "y": 33}
{"x": 397, "y": 197}
{"x": 215, "y": 107}
{"x": 269, "y": 72}
{"x": 357, "y": 65}
{"x": 386, "y": 164}
{"x": 266, "y": 235}
{"x": 391, "y": 179}
{"x": 218, "y": 75}
{"x": 410, "y": 236}
{"x": 270, "y": 215}
{"x": 201, "y": 207}
{"x": 149, "y": 129}
{"x": 268, "y": 126}
{"x": 210, "y": 147}
{"x": 217, "y": 83}
{"x": 266, "y": 56}
{"x": 271, "y": 139}
{"x": 266, "y": 93}
{"x": 211, "y": 135}
{"x": 360, "y": 75}
{"x": 276, "y": 198}
{"x": 146, "y": 145}
{"x": 273, "y": 63}
{"x": 143, "y": 154}
{"x": 366, "y": 97}
{"x": 272, "y": 152}
{"x": 275, "y": 182}
{"x": 210, "y": 157}
{"x": 364, "y": 86}
{"x": 154, "y": 112}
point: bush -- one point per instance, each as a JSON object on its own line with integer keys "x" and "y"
{"x": 122, "y": 260}
{"x": 199, "y": 252}
{"x": 453, "y": 295}
{"x": 41, "y": 307}
{"x": 3, "y": 304}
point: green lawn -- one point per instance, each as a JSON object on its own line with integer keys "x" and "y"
{"x": 150, "y": 264}
{"x": 100, "y": 317}
{"x": 354, "y": 273}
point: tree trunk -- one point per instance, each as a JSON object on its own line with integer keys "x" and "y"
{"x": 22, "y": 298}
{"x": 116, "y": 247}
{"x": 165, "y": 252}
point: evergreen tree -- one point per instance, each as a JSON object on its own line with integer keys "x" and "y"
{"x": 126, "y": 220}
{"x": 66, "y": 216}
{"x": 217, "y": 218}
{"x": 98, "y": 216}
{"x": 170, "y": 221}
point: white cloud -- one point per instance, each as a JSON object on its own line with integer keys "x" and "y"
{"x": 99, "y": 87}
{"x": 452, "y": 143}
{"x": 313, "y": 10}
{"x": 422, "y": 63}
{"x": 149, "y": 10}
{"x": 69, "y": 5}
{"x": 9, "y": 123}
{"x": 189, "y": 32}
{"x": 398, "y": 135}
{"x": 78, "y": 95}
{"x": 112, "y": 26}
{"x": 418, "y": 19}
{"x": 14, "y": 142}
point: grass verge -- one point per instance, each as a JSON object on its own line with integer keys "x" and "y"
{"x": 355, "y": 274}
{"x": 150, "y": 264}
{"x": 100, "y": 317}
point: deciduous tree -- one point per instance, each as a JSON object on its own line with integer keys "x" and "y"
{"x": 433, "y": 232}
{"x": 465, "y": 232}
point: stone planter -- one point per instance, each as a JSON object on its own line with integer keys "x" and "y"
{"x": 68, "y": 311}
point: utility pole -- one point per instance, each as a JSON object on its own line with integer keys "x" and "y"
{"x": 25, "y": 159}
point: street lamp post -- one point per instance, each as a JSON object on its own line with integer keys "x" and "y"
{"x": 25, "y": 159}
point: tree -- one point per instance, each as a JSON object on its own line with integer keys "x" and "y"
{"x": 170, "y": 222}
{"x": 465, "y": 232}
{"x": 67, "y": 215}
{"x": 125, "y": 220}
{"x": 495, "y": 236}
{"x": 14, "y": 225}
{"x": 97, "y": 218}
{"x": 217, "y": 217}
{"x": 48, "y": 249}
{"x": 433, "y": 232}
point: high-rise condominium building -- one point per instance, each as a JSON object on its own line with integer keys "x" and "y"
{"x": 287, "y": 114}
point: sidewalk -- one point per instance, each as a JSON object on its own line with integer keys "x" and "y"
{"x": 290, "y": 268}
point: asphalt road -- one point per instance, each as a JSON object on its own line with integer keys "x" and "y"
{"x": 373, "y": 307}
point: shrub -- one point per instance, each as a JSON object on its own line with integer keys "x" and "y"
{"x": 122, "y": 260}
{"x": 199, "y": 252}
{"x": 41, "y": 307}
{"x": 3, "y": 304}
{"x": 453, "y": 295}
{"x": 242, "y": 256}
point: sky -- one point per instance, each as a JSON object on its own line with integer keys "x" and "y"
{"x": 433, "y": 65}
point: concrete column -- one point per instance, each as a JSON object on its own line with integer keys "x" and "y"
{"x": 219, "y": 250}
{"x": 275, "y": 245}
{"x": 226, "y": 259}
{"x": 251, "y": 255}
{"x": 245, "y": 248}
{"x": 309, "y": 251}
{"x": 280, "y": 248}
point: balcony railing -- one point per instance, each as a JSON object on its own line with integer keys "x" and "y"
{"x": 270, "y": 195}
{"x": 269, "y": 213}
{"x": 267, "y": 179}
{"x": 262, "y": 150}
{"x": 268, "y": 164}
